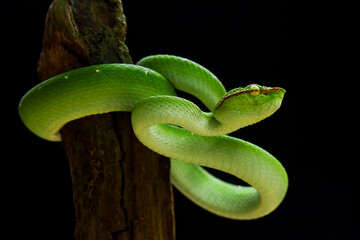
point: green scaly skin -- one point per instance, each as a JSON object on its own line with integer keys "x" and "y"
{"x": 173, "y": 126}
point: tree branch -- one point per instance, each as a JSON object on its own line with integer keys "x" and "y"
{"x": 121, "y": 189}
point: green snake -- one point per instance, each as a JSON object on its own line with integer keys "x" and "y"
{"x": 173, "y": 126}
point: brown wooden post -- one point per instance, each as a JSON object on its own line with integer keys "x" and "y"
{"x": 121, "y": 189}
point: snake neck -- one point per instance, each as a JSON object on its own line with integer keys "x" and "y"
{"x": 183, "y": 113}
{"x": 230, "y": 121}
{"x": 214, "y": 125}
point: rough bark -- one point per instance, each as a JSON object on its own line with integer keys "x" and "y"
{"x": 121, "y": 189}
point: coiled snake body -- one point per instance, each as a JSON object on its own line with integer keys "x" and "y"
{"x": 173, "y": 126}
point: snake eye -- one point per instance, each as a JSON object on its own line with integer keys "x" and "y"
{"x": 254, "y": 90}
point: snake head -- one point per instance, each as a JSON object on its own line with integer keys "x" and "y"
{"x": 244, "y": 106}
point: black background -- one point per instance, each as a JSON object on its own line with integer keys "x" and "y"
{"x": 291, "y": 44}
